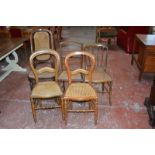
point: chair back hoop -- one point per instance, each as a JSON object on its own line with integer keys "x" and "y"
{"x": 100, "y": 52}
{"x": 51, "y": 70}
{"x": 41, "y": 39}
{"x": 67, "y": 47}
{"x": 80, "y": 70}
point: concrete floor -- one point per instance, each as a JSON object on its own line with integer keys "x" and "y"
{"x": 127, "y": 110}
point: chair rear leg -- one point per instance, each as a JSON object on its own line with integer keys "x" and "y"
{"x": 110, "y": 92}
{"x": 96, "y": 111}
{"x": 33, "y": 109}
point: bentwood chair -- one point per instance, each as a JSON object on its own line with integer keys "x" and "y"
{"x": 100, "y": 75}
{"x": 65, "y": 48}
{"x": 40, "y": 39}
{"x": 45, "y": 89}
{"x": 80, "y": 91}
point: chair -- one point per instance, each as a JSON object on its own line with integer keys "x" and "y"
{"x": 40, "y": 39}
{"x": 78, "y": 91}
{"x": 105, "y": 34}
{"x": 45, "y": 89}
{"x": 67, "y": 47}
{"x": 100, "y": 75}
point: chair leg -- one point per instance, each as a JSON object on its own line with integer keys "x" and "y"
{"x": 62, "y": 109}
{"x": 65, "y": 111}
{"x": 110, "y": 92}
{"x": 33, "y": 109}
{"x": 31, "y": 82}
{"x": 96, "y": 111}
{"x": 102, "y": 87}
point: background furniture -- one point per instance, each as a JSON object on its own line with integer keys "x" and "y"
{"x": 8, "y": 47}
{"x": 45, "y": 89}
{"x": 126, "y": 35}
{"x": 100, "y": 75}
{"x": 78, "y": 91}
{"x": 106, "y": 34}
{"x": 145, "y": 46}
{"x": 150, "y": 105}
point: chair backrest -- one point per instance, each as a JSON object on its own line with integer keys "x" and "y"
{"x": 100, "y": 53}
{"x": 52, "y": 67}
{"x": 80, "y": 70}
{"x": 68, "y": 46}
{"x": 41, "y": 39}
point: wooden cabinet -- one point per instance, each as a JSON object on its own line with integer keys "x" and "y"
{"x": 145, "y": 44}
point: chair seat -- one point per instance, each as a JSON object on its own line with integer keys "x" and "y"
{"x": 43, "y": 75}
{"x": 99, "y": 75}
{"x": 46, "y": 89}
{"x": 63, "y": 77}
{"x": 80, "y": 91}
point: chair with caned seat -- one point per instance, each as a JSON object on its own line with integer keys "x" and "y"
{"x": 100, "y": 75}
{"x": 40, "y": 39}
{"x": 48, "y": 89}
{"x": 80, "y": 91}
{"x": 67, "y": 47}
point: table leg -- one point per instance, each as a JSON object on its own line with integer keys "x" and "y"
{"x": 12, "y": 66}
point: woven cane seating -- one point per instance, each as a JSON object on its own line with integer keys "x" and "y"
{"x": 45, "y": 89}
{"x": 80, "y": 91}
{"x": 100, "y": 75}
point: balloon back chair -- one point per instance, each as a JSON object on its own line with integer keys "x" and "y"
{"x": 100, "y": 75}
{"x": 80, "y": 91}
{"x": 45, "y": 89}
{"x": 40, "y": 39}
{"x": 67, "y": 47}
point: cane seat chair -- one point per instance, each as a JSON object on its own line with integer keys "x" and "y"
{"x": 80, "y": 91}
{"x": 67, "y": 47}
{"x": 100, "y": 75}
{"x": 45, "y": 89}
{"x": 40, "y": 39}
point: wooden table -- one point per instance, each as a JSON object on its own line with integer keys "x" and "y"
{"x": 145, "y": 59}
{"x": 8, "y": 47}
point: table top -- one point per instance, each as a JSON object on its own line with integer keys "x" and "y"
{"x": 147, "y": 39}
{"x": 8, "y": 44}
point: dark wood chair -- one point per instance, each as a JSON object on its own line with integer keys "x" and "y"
{"x": 45, "y": 89}
{"x": 78, "y": 91}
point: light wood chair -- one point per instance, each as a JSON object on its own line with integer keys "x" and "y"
{"x": 67, "y": 47}
{"x": 40, "y": 39}
{"x": 100, "y": 75}
{"x": 78, "y": 91}
{"x": 45, "y": 89}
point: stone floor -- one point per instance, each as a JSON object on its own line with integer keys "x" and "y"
{"x": 127, "y": 110}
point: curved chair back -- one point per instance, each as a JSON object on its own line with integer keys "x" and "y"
{"x": 100, "y": 52}
{"x": 80, "y": 70}
{"x": 54, "y": 58}
{"x": 68, "y": 46}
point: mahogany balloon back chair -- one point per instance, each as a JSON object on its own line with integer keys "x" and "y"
{"x": 80, "y": 91}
